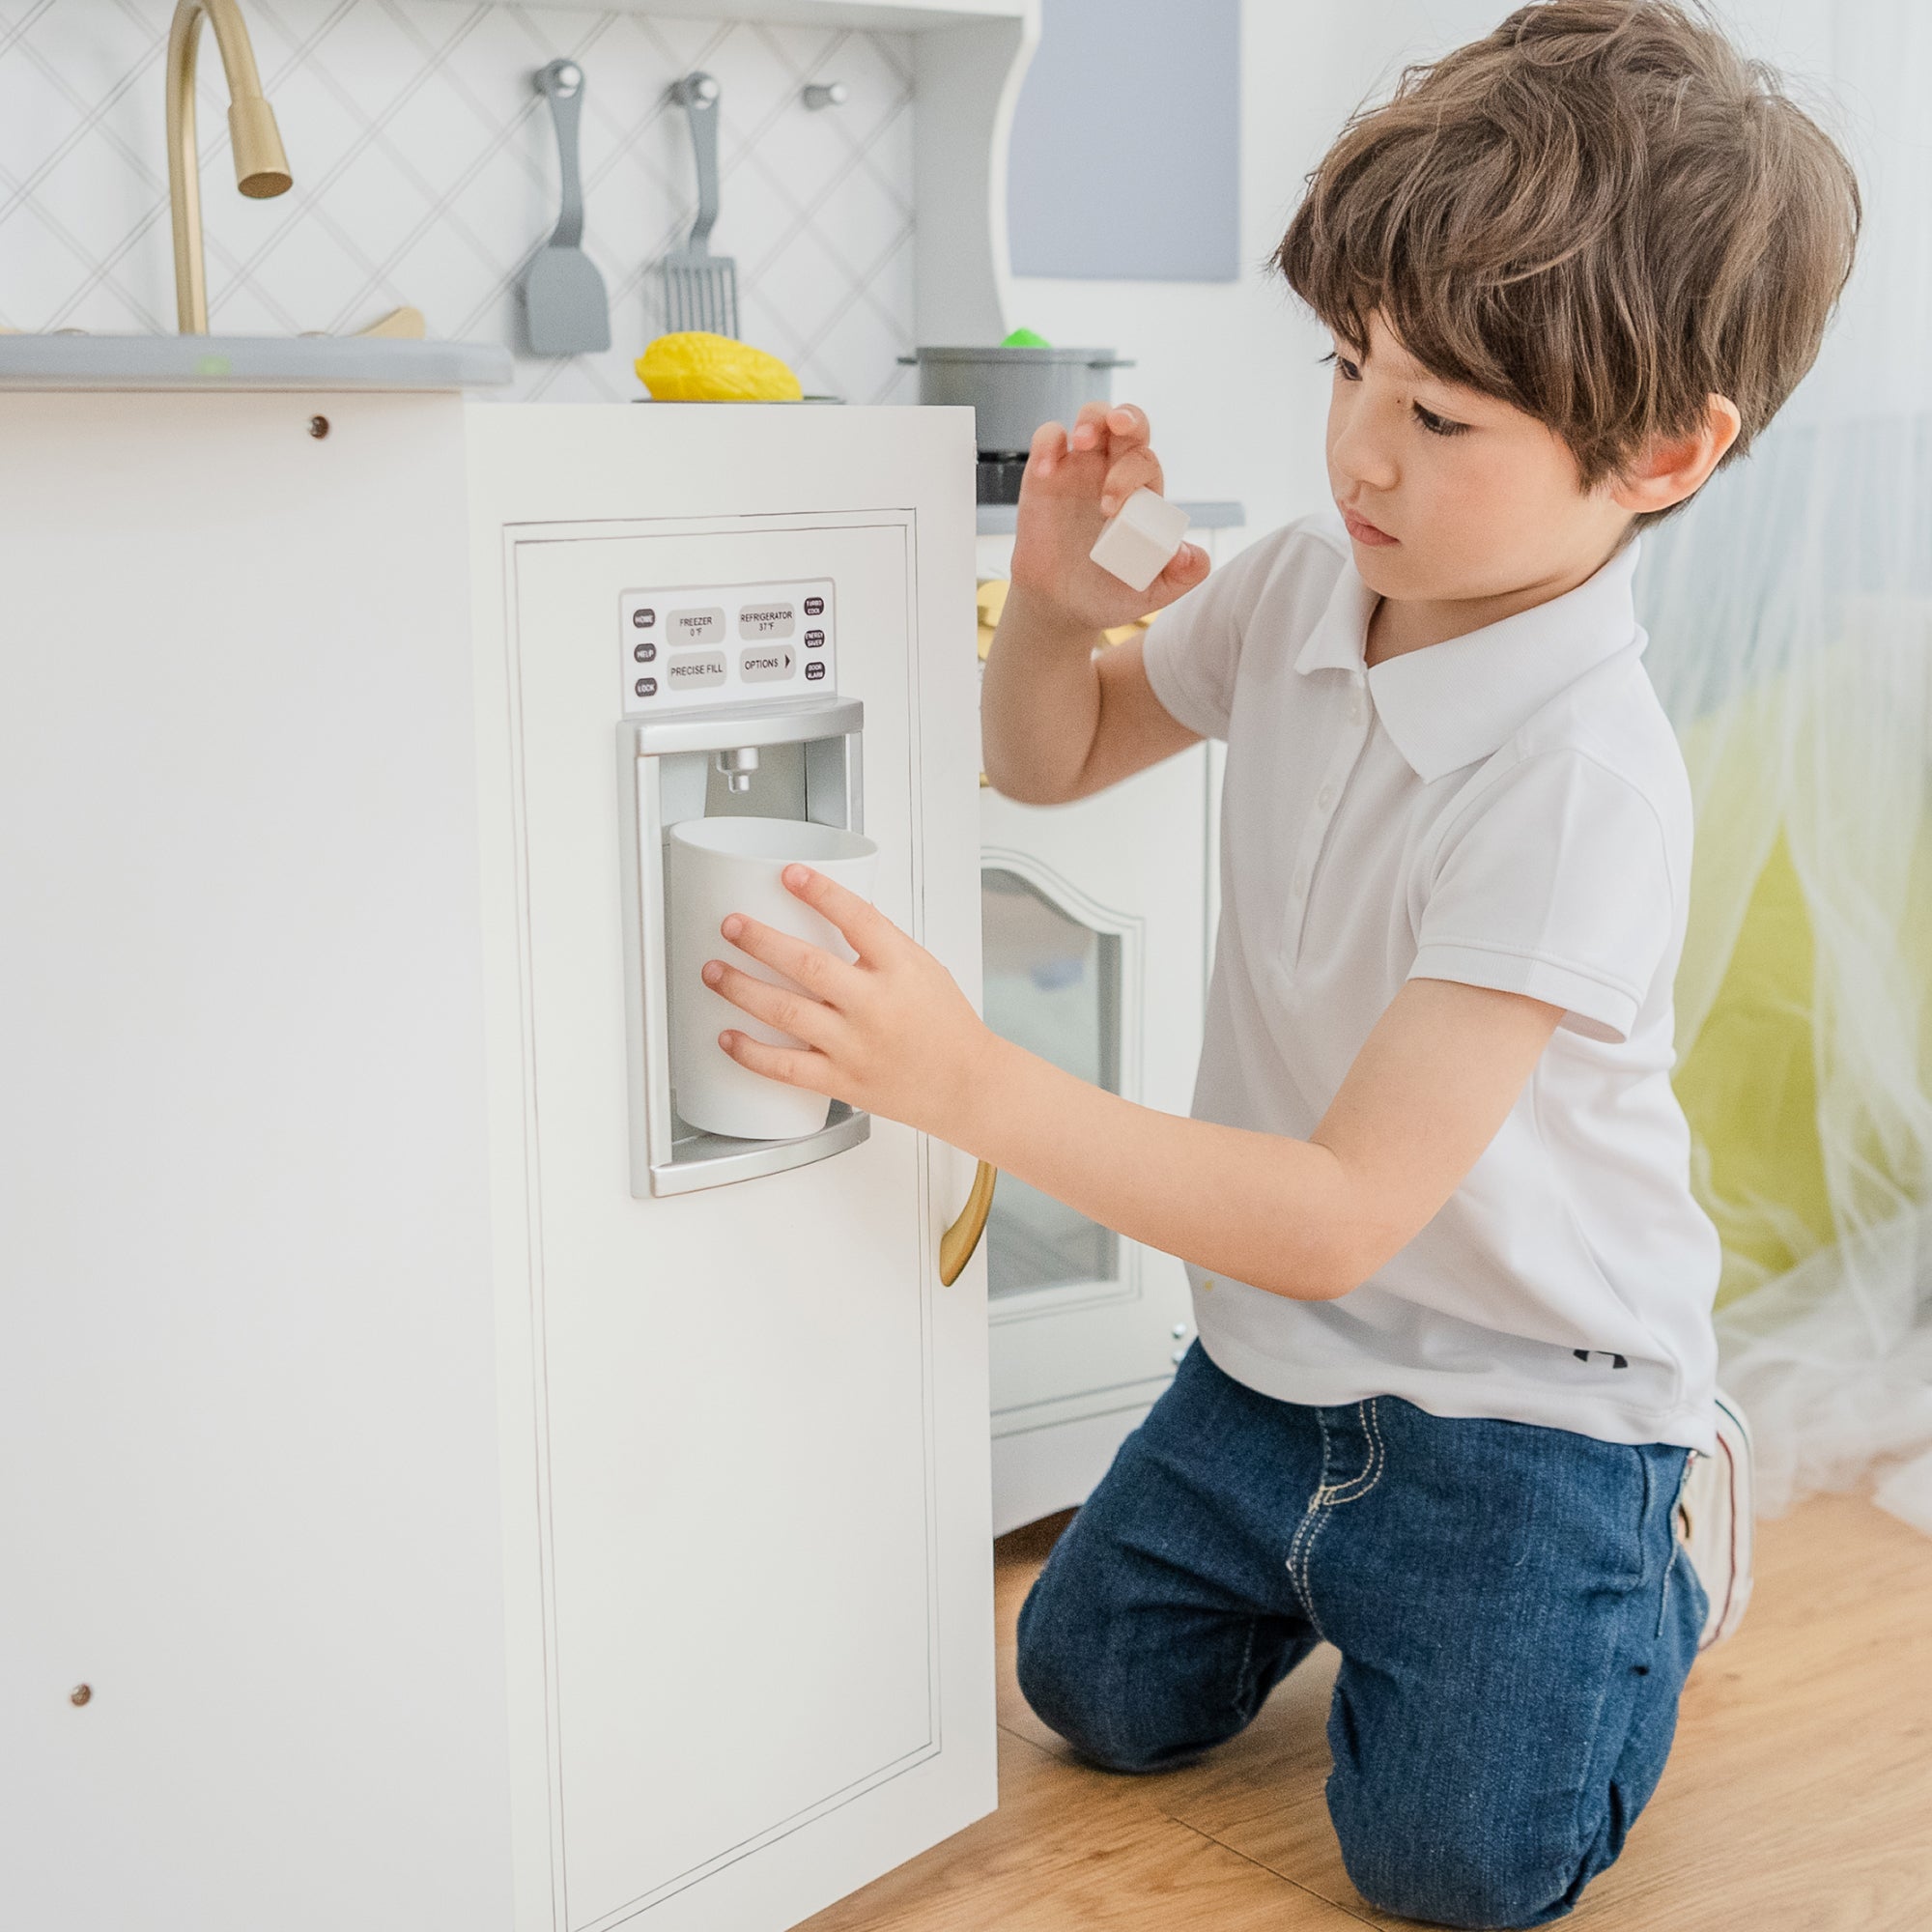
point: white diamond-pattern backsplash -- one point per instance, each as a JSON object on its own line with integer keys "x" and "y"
{"x": 426, "y": 172}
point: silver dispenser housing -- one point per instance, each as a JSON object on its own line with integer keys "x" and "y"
{"x": 791, "y": 760}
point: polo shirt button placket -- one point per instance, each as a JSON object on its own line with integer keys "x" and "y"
{"x": 1324, "y": 803}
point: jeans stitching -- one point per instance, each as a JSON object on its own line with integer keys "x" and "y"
{"x": 1304, "y": 1535}
{"x": 1357, "y": 1487}
{"x": 1308, "y": 1515}
{"x": 1318, "y": 1516}
{"x": 1322, "y": 1484}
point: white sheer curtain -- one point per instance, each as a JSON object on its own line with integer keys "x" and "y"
{"x": 1790, "y": 612}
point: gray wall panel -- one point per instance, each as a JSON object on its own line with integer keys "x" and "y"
{"x": 1126, "y": 143}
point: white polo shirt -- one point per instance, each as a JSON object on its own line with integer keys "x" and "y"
{"x": 1509, "y": 809}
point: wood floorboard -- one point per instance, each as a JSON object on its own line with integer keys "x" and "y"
{"x": 1086, "y": 1853}
{"x": 1798, "y": 1798}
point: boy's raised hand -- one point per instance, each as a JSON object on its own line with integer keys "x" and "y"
{"x": 1073, "y": 482}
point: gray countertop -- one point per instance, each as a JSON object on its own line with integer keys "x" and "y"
{"x": 306, "y": 362}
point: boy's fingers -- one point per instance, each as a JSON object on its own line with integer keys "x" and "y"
{"x": 1090, "y": 427}
{"x": 868, "y": 930}
{"x": 1187, "y": 566}
{"x": 777, "y": 1006}
{"x": 1048, "y": 447}
{"x": 1138, "y": 470}
{"x": 790, "y": 1066}
{"x": 1129, "y": 426}
{"x": 810, "y": 966}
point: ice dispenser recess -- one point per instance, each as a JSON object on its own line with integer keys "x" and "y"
{"x": 751, "y": 735}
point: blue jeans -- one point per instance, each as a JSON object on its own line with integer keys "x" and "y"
{"x": 1513, "y": 1621}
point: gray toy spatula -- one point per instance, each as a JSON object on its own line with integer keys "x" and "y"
{"x": 700, "y": 287}
{"x": 563, "y": 294}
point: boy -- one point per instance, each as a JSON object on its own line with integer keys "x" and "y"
{"x": 1452, "y": 1288}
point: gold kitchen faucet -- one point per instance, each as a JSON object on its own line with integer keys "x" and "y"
{"x": 261, "y": 167}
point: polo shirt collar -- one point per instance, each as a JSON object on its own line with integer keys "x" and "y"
{"x": 1450, "y": 704}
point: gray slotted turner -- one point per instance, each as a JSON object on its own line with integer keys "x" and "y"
{"x": 700, "y": 287}
{"x": 563, "y": 294}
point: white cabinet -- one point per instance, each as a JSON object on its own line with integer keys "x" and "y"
{"x": 745, "y": 1444}
{"x": 1092, "y": 918}
{"x": 450, "y": 1537}
{"x": 1096, "y": 920}
{"x": 249, "y": 1485}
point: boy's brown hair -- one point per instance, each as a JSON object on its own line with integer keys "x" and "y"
{"x": 1601, "y": 213}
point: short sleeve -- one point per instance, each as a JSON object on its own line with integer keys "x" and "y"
{"x": 1556, "y": 883}
{"x": 1193, "y": 649}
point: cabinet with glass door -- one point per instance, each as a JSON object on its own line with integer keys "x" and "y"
{"x": 1095, "y": 942}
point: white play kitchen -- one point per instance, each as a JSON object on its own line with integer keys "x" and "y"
{"x": 450, "y": 1487}
{"x": 474, "y": 1456}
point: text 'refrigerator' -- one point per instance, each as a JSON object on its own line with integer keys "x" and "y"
{"x": 745, "y": 1444}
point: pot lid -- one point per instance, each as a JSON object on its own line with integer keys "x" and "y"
{"x": 997, "y": 353}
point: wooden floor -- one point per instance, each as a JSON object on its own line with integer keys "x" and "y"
{"x": 1798, "y": 1797}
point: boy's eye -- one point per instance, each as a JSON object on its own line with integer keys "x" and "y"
{"x": 1437, "y": 425}
{"x": 1349, "y": 372}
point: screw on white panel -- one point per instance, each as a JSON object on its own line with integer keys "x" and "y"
{"x": 80, "y": 1694}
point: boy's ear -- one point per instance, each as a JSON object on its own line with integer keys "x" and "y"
{"x": 1673, "y": 468}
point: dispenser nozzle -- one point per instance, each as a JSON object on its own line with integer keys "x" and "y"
{"x": 737, "y": 768}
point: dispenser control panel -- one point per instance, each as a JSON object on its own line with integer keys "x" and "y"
{"x": 731, "y": 644}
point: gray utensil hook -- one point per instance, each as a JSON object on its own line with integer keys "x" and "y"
{"x": 697, "y": 95}
{"x": 565, "y": 303}
{"x": 562, "y": 83}
{"x": 700, "y": 287}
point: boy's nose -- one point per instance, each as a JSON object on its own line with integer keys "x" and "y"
{"x": 1358, "y": 454}
{"x": 1354, "y": 476}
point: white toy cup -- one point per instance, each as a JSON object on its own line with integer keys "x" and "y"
{"x": 712, "y": 868}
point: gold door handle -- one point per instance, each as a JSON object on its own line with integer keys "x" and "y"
{"x": 957, "y": 1244}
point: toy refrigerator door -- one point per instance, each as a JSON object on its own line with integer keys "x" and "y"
{"x": 745, "y": 1449}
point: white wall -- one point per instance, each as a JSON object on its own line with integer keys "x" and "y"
{"x": 1228, "y": 371}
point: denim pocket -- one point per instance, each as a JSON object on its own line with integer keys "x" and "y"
{"x": 1594, "y": 1511}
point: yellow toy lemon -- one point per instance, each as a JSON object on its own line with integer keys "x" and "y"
{"x": 694, "y": 366}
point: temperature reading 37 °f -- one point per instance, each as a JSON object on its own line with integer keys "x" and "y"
{"x": 759, "y": 622}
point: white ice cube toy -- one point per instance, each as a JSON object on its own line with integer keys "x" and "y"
{"x": 1139, "y": 538}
